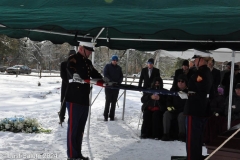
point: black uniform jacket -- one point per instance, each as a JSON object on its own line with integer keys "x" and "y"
{"x": 63, "y": 75}
{"x": 144, "y": 76}
{"x": 216, "y": 82}
{"x": 77, "y": 92}
{"x": 200, "y": 83}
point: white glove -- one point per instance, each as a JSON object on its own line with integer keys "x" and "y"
{"x": 233, "y": 106}
{"x": 76, "y": 78}
{"x": 182, "y": 95}
{"x": 105, "y": 79}
{"x": 216, "y": 114}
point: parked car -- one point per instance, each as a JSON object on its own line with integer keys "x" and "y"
{"x": 3, "y": 68}
{"x": 19, "y": 69}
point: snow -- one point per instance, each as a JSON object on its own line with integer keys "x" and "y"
{"x": 112, "y": 140}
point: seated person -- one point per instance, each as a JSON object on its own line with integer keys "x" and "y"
{"x": 217, "y": 103}
{"x": 174, "y": 111}
{"x": 214, "y": 125}
{"x": 154, "y": 105}
{"x": 235, "y": 114}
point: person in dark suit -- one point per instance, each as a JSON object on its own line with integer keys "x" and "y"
{"x": 216, "y": 79}
{"x": 148, "y": 74}
{"x": 184, "y": 70}
{"x": 63, "y": 75}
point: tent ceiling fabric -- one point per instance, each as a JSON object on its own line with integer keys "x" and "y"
{"x": 199, "y": 20}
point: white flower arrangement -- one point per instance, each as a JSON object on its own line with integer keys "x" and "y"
{"x": 21, "y": 124}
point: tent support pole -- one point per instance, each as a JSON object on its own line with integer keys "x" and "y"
{"x": 94, "y": 39}
{"x": 124, "y": 99}
{"x": 231, "y": 91}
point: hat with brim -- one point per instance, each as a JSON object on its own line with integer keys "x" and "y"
{"x": 87, "y": 45}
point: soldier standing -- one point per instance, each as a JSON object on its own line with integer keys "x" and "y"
{"x": 196, "y": 108}
{"x": 77, "y": 98}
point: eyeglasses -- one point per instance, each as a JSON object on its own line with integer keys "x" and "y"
{"x": 182, "y": 81}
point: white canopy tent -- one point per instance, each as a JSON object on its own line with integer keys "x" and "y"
{"x": 220, "y": 55}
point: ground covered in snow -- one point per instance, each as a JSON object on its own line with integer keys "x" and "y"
{"x": 113, "y": 140}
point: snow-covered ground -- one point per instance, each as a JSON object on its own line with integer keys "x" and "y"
{"x": 112, "y": 140}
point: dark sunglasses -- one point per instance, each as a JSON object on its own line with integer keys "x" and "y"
{"x": 115, "y": 60}
{"x": 182, "y": 81}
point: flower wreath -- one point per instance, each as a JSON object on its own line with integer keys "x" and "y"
{"x": 21, "y": 124}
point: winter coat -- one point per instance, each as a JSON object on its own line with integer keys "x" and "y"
{"x": 148, "y": 102}
{"x": 77, "y": 92}
{"x": 226, "y": 82}
{"x": 176, "y": 101}
{"x": 235, "y": 111}
{"x": 113, "y": 73}
{"x": 200, "y": 83}
{"x": 217, "y": 105}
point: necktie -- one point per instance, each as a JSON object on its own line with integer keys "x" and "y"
{"x": 149, "y": 72}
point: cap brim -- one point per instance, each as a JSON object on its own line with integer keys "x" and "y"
{"x": 88, "y": 48}
{"x": 196, "y": 56}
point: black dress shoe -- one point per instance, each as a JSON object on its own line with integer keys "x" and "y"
{"x": 143, "y": 136}
{"x": 166, "y": 137}
{"x": 111, "y": 119}
{"x": 83, "y": 158}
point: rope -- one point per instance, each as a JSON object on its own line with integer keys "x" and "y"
{"x": 222, "y": 144}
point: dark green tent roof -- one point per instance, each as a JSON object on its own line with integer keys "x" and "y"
{"x": 139, "y": 24}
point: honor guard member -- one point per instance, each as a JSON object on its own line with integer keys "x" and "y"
{"x": 77, "y": 98}
{"x": 196, "y": 108}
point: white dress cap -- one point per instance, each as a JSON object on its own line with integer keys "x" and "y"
{"x": 87, "y": 44}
